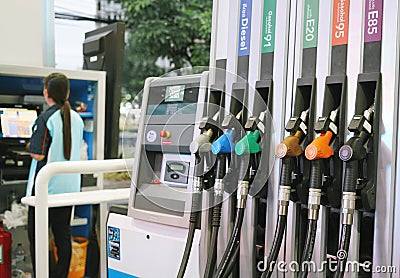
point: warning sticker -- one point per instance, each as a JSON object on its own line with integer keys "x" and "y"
{"x": 114, "y": 243}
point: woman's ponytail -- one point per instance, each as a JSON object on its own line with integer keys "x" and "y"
{"x": 66, "y": 117}
{"x": 57, "y": 85}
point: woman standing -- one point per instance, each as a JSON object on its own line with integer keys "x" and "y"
{"x": 56, "y": 136}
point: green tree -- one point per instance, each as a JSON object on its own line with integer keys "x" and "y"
{"x": 178, "y": 31}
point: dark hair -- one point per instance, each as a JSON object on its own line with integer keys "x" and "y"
{"x": 57, "y": 85}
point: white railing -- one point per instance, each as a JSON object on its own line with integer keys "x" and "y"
{"x": 42, "y": 201}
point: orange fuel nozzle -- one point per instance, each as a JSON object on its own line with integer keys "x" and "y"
{"x": 320, "y": 147}
{"x": 290, "y": 146}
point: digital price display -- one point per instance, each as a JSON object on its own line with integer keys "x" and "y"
{"x": 174, "y": 93}
{"x": 176, "y": 167}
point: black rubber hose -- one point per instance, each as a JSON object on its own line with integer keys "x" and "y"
{"x": 215, "y": 223}
{"x": 220, "y": 166}
{"x": 350, "y": 176}
{"x": 343, "y": 250}
{"x": 286, "y": 171}
{"x": 308, "y": 247}
{"x": 194, "y": 217}
{"x": 233, "y": 261}
{"x": 276, "y": 246}
{"x": 233, "y": 240}
{"x": 212, "y": 254}
{"x": 186, "y": 253}
{"x": 316, "y": 174}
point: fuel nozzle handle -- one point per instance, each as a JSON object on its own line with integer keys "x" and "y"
{"x": 249, "y": 144}
{"x": 352, "y": 153}
{"x": 361, "y": 125}
{"x": 225, "y": 143}
{"x": 354, "y": 148}
{"x": 290, "y": 146}
{"x": 320, "y": 147}
{"x": 202, "y": 143}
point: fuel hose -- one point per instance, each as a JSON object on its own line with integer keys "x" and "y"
{"x": 216, "y": 215}
{"x": 234, "y": 239}
{"x": 288, "y": 164}
{"x": 194, "y": 216}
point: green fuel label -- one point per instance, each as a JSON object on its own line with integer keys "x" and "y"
{"x": 310, "y": 23}
{"x": 268, "y": 30}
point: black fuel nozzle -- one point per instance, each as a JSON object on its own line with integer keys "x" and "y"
{"x": 354, "y": 148}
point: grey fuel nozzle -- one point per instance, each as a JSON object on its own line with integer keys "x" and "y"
{"x": 202, "y": 143}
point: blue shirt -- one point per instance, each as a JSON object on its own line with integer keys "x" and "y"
{"x": 47, "y": 140}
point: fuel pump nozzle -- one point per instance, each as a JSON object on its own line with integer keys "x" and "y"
{"x": 318, "y": 151}
{"x": 353, "y": 152}
{"x": 221, "y": 147}
{"x": 200, "y": 147}
{"x": 247, "y": 148}
{"x": 288, "y": 150}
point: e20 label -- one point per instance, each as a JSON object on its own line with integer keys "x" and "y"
{"x": 310, "y": 23}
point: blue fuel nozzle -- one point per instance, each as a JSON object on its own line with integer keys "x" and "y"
{"x": 224, "y": 144}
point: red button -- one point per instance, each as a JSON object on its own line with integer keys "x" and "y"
{"x": 165, "y": 134}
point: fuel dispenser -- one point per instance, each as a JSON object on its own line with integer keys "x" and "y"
{"x": 295, "y": 169}
{"x": 360, "y": 152}
{"x": 161, "y": 193}
{"x": 326, "y": 167}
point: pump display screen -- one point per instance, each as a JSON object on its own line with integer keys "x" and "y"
{"x": 173, "y": 99}
{"x": 174, "y": 93}
{"x": 16, "y": 122}
{"x": 176, "y": 167}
